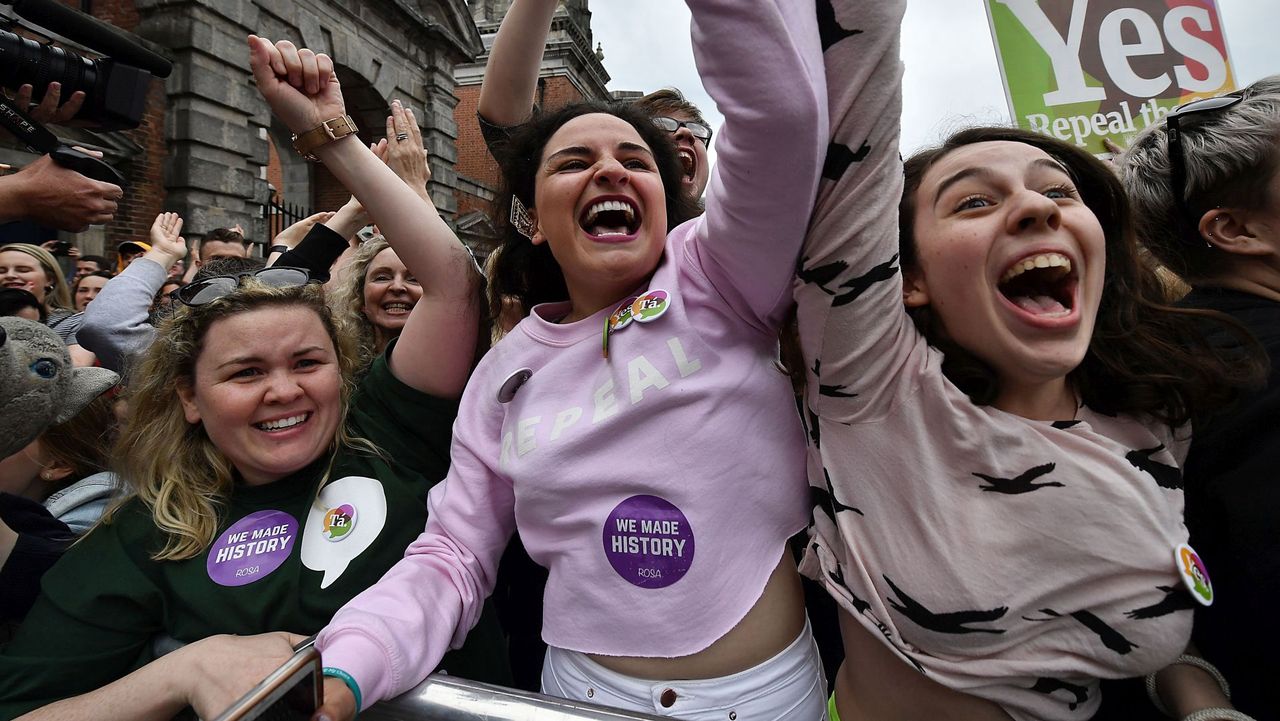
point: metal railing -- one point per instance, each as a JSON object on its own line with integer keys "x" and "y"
{"x": 447, "y": 698}
{"x": 278, "y": 216}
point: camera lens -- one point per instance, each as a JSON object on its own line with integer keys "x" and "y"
{"x": 24, "y": 61}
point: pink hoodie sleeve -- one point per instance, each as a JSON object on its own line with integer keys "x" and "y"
{"x": 395, "y": 633}
{"x": 761, "y": 61}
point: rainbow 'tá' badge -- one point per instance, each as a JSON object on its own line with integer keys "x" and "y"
{"x": 1194, "y": 575}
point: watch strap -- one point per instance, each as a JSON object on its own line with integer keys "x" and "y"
{"x": 330, "y": 130}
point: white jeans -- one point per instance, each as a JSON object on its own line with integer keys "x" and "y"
{"x": 788, "y": 686}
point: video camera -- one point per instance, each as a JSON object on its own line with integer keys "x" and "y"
{"x": 115, "y": 85}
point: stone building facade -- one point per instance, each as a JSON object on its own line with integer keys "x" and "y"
{"x": 208, "y": 145}
{"x": 208, "y": 148}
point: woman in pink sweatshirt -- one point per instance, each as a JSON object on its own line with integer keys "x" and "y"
{"x": 635, "y": 427}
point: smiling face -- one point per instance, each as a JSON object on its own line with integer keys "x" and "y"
{"x": 1009, "y": 259}
{"x": 19, "y": 270}
{"x": 390, "y": 292}
{"x": 600, "y": 206}
{"x": 267, "y": 389}
{"x": 87, "y": 289}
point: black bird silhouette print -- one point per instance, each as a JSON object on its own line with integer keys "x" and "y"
{"x": 831, "y": 391}
{"x": 840, "y": 157}
{"x": 825, "y": 498}
{"x": 1023, "y": 483}
{"x": 1049, "y": 685}
{"x": 1175, "y": 599}
{"x": 1110, "y": 637}
{"x": 829, "y": 30}
{"x": 952, "y": 622}
{"x": 858, "y": 286}
{"x": 822, "y": 274}
{"x": 1166, "y": 476}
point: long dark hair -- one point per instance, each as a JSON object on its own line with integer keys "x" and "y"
{"x": 528, "y": 273}
{"x": 1146, "y": 357}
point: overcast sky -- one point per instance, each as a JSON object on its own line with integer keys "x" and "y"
{"x": 952, "y": 78}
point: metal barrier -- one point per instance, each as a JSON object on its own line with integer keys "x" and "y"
{"x": 446, "y": 698}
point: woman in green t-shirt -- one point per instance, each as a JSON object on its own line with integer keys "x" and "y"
{"x": 263, "y": 491}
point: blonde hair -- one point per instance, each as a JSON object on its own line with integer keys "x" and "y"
{"x": 347, "y": 302}
{"x": 57, "y": 297}
{"x": 171, "y": 465}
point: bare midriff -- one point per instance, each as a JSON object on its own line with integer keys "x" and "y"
{"x": 771, "y": 625}
{"x": 874, "y": 684}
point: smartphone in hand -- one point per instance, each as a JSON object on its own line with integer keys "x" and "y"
{"x": 292, "y": 692}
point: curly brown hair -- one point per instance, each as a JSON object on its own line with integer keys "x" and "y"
{"x": 1146, "y": 357}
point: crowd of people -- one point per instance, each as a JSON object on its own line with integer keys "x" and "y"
{"x": 1029, "y": 477}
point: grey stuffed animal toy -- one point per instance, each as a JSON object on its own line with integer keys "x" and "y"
{"x": 38, "y": 386}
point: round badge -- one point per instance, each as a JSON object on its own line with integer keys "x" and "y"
{"x": 622, "y": 317}
{"x": 1194, "y": 575}
{"x": 338, "y": 522}
{"x": 251, "y": 548}
{"x": 507, "y": 391}
{"x": 648, "y": 541}
{"x": 651, "y": 305}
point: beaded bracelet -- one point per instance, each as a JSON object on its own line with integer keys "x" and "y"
{"x": 1217, "y": 714}
{"x": 1189, "y": 660}
{"x": 349, "y": 680}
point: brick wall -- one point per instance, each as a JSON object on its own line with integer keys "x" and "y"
{"x": 275, "y": 170}
{"x": 144, "y": 198}
{"x": 474, "y": 161}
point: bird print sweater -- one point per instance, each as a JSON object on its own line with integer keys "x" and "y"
{"x": 1015, "y": 560}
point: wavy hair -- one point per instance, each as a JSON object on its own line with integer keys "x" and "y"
{"x": 170, "y": 465}
{"x": 56, "y": 296}
{"x": 347, "y": 302}
{"x": 1146, "y": 357}
{"x": 529, "y": 273}
{"x": 1231, "y": 156}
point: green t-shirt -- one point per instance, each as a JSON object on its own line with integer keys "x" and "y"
{"x": 283, "y": 560}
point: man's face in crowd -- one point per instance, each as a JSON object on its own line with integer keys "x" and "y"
{"x": 85, "y": 267}
{"x": 221, "y": 249}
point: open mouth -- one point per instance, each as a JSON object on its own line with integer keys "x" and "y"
{"x": 688, "y": 162}
{"x": 283, "y": 424}
{"x": 397, "y": 308}
{"x": 608, "y": 219}
{"x": 1043, "y": 285}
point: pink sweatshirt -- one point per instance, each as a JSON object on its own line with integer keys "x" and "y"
{"x": 1015, "y": 560}
{"x": 658, "y": 486}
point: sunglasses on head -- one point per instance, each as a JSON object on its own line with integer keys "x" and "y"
{"x": 698, "y": 130}
{"x": 207, "y": 290}
{"x": 1177, "y": 158}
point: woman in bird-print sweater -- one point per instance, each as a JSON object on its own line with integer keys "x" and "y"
{"x": 998, "y": 402}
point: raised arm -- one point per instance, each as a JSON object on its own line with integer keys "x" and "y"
{"x": 303, "y": 91}
{"x": 762, "y": 63}
{"x": 849, "y": 290}
{"x": 511, "y": 75}
{"x": 117, "y": 324}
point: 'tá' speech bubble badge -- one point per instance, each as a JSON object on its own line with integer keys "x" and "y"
{"x": 332, "y": 538}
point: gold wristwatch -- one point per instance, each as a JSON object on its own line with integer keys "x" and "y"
{"x": 323, "y": 134}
